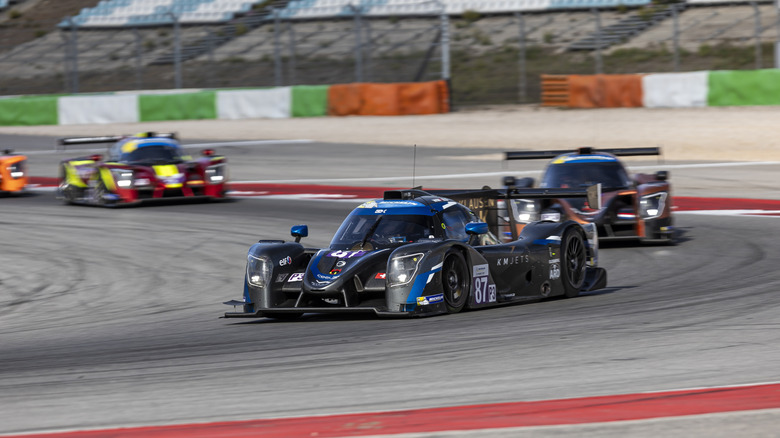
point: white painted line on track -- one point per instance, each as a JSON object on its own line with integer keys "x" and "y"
{"x": 484, "y": 174}
{"x": 755, "y": 213}
{"x": 184, "y": 146}
{"x": 246, "y": 143}
{"x": 391, "y": 178}
{"x": 708, "y": 165}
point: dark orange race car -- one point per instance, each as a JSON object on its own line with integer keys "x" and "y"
{"x": 13, "y": 172}
{"x": 630, "y": 206}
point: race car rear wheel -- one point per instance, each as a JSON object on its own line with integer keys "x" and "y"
{"x": 573, "y": 257}
{"x": 455, "y": 281}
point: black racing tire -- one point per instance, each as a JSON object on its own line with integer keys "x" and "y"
{"x": 283, "y": 316}
{"x": 99, "y": 192}
{"x": 65, "y": 189}
{"x": 573, "y": 261}
{"x": 455, "y": 281}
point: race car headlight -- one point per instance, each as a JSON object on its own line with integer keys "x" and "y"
{"x": 216, "y": 173}
{"x": 16, "y": 170}
{"x": 403, "y": 268}
{"x": 123, "y": 178}
{"x": 258, "y": 271}
{"x": 651, "y": 206}
{"x": 527, "y": 210}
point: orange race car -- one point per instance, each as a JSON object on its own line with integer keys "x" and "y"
{"x": 13, "y": 172}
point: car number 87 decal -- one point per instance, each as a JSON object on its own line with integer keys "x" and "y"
{"x": 483, "y": 292}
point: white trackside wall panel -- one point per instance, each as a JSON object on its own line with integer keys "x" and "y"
{"x": 675, "y": 90}
{"x": 273, "y": 103}
{"x": 79, "y": 110}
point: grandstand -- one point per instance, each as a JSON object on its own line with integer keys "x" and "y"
{"x": 130, "y": 13}
{"x": 130, "y": 44}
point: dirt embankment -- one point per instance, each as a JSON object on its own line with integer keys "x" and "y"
{"x": 706, "y": 134}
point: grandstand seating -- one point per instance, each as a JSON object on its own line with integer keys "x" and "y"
{"x": 128, "y": 13}
{"x": 329, "y": 8}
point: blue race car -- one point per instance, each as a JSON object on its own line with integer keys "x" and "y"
{"x": 414, "y": 253}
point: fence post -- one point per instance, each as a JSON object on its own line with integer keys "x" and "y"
{"x": 522, "y": 80}
{"x": 176, "y": 49}
{"x": 277, "y": 49}
{"x": 356, "y": 12}
{"x": 675, "y": 39}
{"x": 777, "y": 36}
{"x": 291, "y": 49}
{"x": 210, "y": 77}
{"x": 445, "y": 45}
{"x": 757, "y": 16}
{"x": 599, "y": 62}
{"x": 139, "y": 80}
{"x": 74, "y": 55}
{"x": 367, "y": 61}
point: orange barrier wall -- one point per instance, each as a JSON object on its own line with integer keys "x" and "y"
{"x": 371, "y": 99}
{"x": 605, "y": 91}
{"x": 592, "y": 91}
{"x": 555, "y": 90}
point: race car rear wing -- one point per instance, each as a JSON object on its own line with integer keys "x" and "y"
{"x": 485, "y": 202}
{"x": 620, "y": 152}
{"x": 69, "y": 141}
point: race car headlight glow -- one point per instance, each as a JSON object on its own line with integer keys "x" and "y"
{"x": 216, "y": 173}
{"x": 403, "y": 268}
{"x": 258, "y": 271}
{"x": 527, "y": 211}
{"x": 16, "y": 170}
{"x": 123, "y": 178}
{"x": 651, "y": 206}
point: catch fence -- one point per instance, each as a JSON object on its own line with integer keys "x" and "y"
{"x": 495, "y": 58}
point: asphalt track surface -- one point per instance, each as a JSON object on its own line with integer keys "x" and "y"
{"x": 110, "y": 317}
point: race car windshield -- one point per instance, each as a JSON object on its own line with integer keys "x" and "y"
{"x": 382, "y": 231}
{"x": 610, "y": 174}
{"x": 153, "y": 154}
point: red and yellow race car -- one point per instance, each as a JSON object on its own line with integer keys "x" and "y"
{"x": 635, "y": 206}
{"x": 140, "y": 167}
{"x": 13, "y": 172}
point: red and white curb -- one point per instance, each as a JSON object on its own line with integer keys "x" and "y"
{"x": 584, "y": 410}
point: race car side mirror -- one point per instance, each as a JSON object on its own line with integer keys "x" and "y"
{"x": 207, "y": 152}
{"x": 299, "y": 231}
{"x": 476, "y": 228}
{"x": 662, "y": 175}
{"x": 96, "y": 157}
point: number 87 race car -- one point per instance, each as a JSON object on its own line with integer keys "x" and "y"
{"x": 140, "y": 167}
{"x": 414, "y": 253}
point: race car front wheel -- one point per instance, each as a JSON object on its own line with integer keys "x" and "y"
{"x": 572, "y": 261}
{"x": 99, "y": 193}
{"x": 455, "y": 281}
